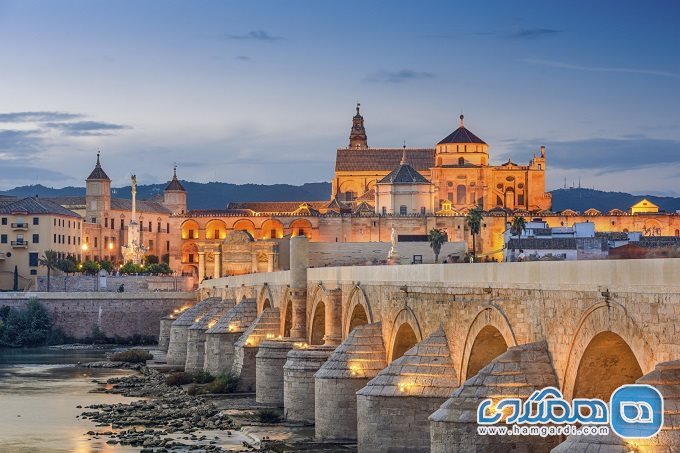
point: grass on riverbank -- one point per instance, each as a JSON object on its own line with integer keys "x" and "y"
{"x": 132, "y": 356}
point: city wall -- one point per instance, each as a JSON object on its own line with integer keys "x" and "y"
{"x": 117, "y": 315}
{"x": 111, "y": 283}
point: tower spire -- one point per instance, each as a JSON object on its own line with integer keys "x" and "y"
{"x": 462, "y": 122}
{"x": 403, "y": 155}
{"x": 357, "y": 135}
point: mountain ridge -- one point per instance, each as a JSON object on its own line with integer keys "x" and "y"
{"x": 216, "y": 195}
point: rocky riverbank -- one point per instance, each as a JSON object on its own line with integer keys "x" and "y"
{"x": 168, "y": 419}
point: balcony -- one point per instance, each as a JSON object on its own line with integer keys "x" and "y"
{"x": 20, "y": 243}
{"x": 2, "y": 256}
{"x": 20, "y": 226}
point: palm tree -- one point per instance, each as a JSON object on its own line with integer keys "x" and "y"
{"x": 474, "y": 222}
{"x": 518, "y": 226}
{"x": 436, "y": 237}
{"x": 50, "y": 260}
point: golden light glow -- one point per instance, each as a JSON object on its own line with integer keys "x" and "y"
{"x": 300, "y": 345}
{"x": 231, "y": 327}
{"x": 355, "y": 369}
{"x": 212, "y": 323}
{"x": 84, "y": 247}
{"x": 404, "y": 387}
{"x": 270, "y": 336}
{"x": 250, "y": 342}
{"x": 110, "y": 245}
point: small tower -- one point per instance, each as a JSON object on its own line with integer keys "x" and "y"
{"x": 175, "y": 196}
{"x": 97, "y": 194}
{"x": 357, "y": 136}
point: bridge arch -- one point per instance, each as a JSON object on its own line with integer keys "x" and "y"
{"x": 610, "y": 341}
{"x": 405, "y": 334}
{"x": 286, "y": 314}
{"x": 358, "y": 311}
{"x": 317, "y": 318}
{"x": 264, "y": 299}
{"x": 489, "y": 335}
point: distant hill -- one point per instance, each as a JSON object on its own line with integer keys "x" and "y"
{"x": 212, "y": 195}
{"x": 216, "y": 195}
{"x": 582, "y": 199}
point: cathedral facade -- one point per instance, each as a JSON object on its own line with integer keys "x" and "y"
{"x": 458, "y": 168}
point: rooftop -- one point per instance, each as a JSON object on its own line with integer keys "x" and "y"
{"x": 35, "y": 205}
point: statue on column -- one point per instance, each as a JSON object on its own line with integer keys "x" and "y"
{"x": 134, "y": 250}
{"x": 393, "y": 256}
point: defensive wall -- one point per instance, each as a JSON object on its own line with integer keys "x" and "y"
{"x": 117, "y": 314}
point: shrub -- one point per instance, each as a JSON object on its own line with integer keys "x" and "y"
{"x": 131, "y": 268}
{"x": 97, "y": 336}
{"x": 179, "y": 378}
{"x": 268, "y": 416}
{"x": 151, "y": 259}
{"x": 202, "y": 377}
{"x": 193, "y": 390}
{"x": 224, "y": 383}
{"x": 132, "y": 356}
{"x": 30, "y": 326}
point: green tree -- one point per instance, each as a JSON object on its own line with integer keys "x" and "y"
{"x": 67, "y": 266}
{"x": 106, "y": 265}
{"x": 151, "y": 259}
{"x": 49, "y": 260}
{"x": 90, "y": 267}
{"x": 437, "y": 238}
{"x": 518, "y": 226}
{"x": 131, "y": 268}
{"x": 474, "y": 222}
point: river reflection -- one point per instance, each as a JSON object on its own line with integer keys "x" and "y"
{"x": 39, "y": 391}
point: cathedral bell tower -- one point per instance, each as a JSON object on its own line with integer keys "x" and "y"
{"x": 357, "y": 136}
{"x": 175, "y": 196}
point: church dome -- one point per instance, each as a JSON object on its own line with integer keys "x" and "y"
{"x": 462, "y": 136}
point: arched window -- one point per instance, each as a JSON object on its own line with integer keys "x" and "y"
{"x": 461, "y": 161}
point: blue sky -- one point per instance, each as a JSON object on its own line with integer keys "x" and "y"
{"x": 264, "y": 91}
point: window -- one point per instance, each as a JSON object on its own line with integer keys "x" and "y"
{"x": 159, "y": 227}
{"x": 106, "y": 222}
{"x": 95, "y": 242}
{"x": 55, "y": 239}
{"x": 122, "y": 224}
{"x": 3, "y": 239}
{"x": 4, "y": 221}
{"x": 422, "y": 210}
{"x": 78, "y": 241}
{"x": 461, "y": 161}
{"x": 34, "y": 271}
{"x": 191, "y": 257}
{"x": 539, "y": 166}
{"x": 301, "y": 231}
{"x": 167, "y": 246}
{"x": 55, "y": 222}
{"x": 150, "y": 243}
{"x": 272, "y": 233}
{"x": 113, "y": 222}
{"x": 33, "y": 259}
{"x": 384, "y": 210}
{"x": 149, "y": 226}
{"x": 36, "y": 220}
{"x": 36, "y": 239}
{"x": 167, "y": 227}
{"x": 191, "y": 234}
{"x": 403, "y": 210}
{"x": 94, "y": 220}
{"x": 520, "y": 199}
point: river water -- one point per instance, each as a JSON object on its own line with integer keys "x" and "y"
{"x": 39, "y": 391}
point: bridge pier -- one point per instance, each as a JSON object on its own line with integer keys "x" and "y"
{"x": 268, "y": 323}
{"x": 666, "y": 379}
{"x": 177, "y": 347}
{"x": 197, "y": 333}
{"x": 221, "y": 338}
{"x": 516, "y": 373}
{"x": 298, "y": 381}
{"x": 356, "y": 361}
{"x": 270, "y": 359}
{"x": 164, "y": 335}
{"x": 393, "y": 408}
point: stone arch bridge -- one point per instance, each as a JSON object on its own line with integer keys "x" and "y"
{"x": 398, "y": 357}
